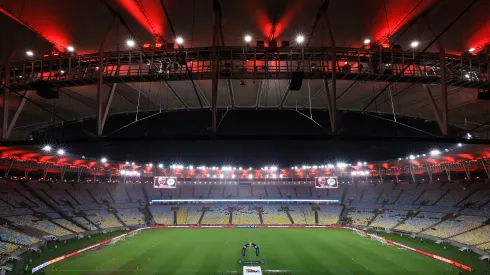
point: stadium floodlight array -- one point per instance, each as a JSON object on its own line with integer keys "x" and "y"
{"x": 248, "y": 200}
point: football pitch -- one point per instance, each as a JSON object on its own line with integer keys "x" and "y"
{"x": 218, "y": 250}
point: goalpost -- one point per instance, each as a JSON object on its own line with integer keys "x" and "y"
{"x": 371, "y": 236}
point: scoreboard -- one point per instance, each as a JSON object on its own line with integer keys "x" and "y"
{"x": 326, "y": 182}
{"x": 165, "y": 182}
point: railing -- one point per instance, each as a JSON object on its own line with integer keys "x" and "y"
{"x": 251, "y": 62}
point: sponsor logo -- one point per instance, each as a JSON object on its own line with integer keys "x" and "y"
{"x": 252, "y": 270}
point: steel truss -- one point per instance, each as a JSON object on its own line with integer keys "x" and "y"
{"x": 60, "y": 169}
{"x": 468, "y": 71}
{"x": 466, "y": 166}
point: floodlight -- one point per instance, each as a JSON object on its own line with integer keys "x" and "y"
{"x": 47, "y": 148}
{"x": 300, "y": 39}
{"x": 103, "y": 160}
{"x": 130, "y": 43}
{"x": 435, "y": 152}
{"x": 29, "y": 53}
{"x": 179, "y": 40}
{"x": 460, "y": 144}
{"x": 471, "y": 50}
{"x": 70, "y": 48}
{"x": 160, "y": 165}
{"x": 61, "y": 152}
{"x": 367, "y": 41}
{"x": 414, "y": 44}
{"x": 412, "y": 157}
{"x": 248, "y": 38}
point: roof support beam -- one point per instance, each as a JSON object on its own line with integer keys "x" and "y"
{"x": 100, "y": 81}
{"x": 17, "y": 113}
{"x": 107, "y": 106}
{"x": 214, "y": 66}
{"x": 463, "y": 12}
{"x": 331, "y": 97}
{"x": 6, "y": 93}
{"x": 435, "y": 108}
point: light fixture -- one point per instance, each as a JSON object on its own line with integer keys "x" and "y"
{"x": 469, "y": 136}
{"x": 62, "y": 72}
{"x": 132, "y": 163}
{"x": 300, "y": 39}
{"x": 179, "y": 40}
{"x": 127, "y": 162}
{"x": 61, "y": 152}
{"x": 367, "y": 41}
{"x": 435, "y": 152}
{"x": 160, "y": 165}
{"x": 414, "y": 44}
{"x": 70, "y": 48}
{"x": 466, "y": 75}
{"x": 29, "y": 53}
{"x": 471, "y": 50}
{"x": 412, "y": 157}
{"x": 248, "y": 38}
{"x": 47, "y": 148}
{"x": 103, "y": 160}
{"x": 151, "y": 165}
{"x": 460, "y": 144}
{"x": 130, "y": 43}
{"x": 250, "y": 176}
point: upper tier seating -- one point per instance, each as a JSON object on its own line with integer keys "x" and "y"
{"x": 103, "y": 218}
{"x": 297, "y": 213}
{"x": 477, "y": 236}
{"x": 8, "y": 247}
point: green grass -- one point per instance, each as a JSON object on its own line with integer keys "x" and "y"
{"x": 214, "y": 250}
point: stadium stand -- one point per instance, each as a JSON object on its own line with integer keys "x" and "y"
{"x": 218, "y": 214}
{"x": 245, "y": 214}
{"x": 8, "y": 247}
{"x": 189, "y": 214}
{"x": 420, "y": 222}
{"x": 360, "y": 217}
{"x": 310, "y": 215}
{"x": 329, "y": 215}
{"x": 297, "y": 213}
{"x": 217, "y": 191}
{"x": 102, "y": 218}
{"x": 389, "y": 218}
{"x": 244, "y": 191}
{"x": 85, "y": 223}
{"x": 408, "y": 196}
{"x": 162, "y": 214}
{"x": 474, "y": 237}
{"x": 11, "y": 235}
{"x": 272, "y": 192}
{"x": 36, "y": 223}
{"x": 258, "y": 191}
{"x": 303, "y": 192}
{"x": 201, "y": 191}
{"x": 69, "y": 225}
{"x": 272, "y": 215}
{"x": 131, "y": 216}
{"x": 455, "y": 226}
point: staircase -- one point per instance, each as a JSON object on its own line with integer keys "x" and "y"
{"x": 66, "y": 228}
{"x": 117, "y": 217}
{"x": 50, "y": 205}
{"x": 289, "y": 216}
{"x": 175, "y": 217}
{"x": 374, "y": 217}
{"x": 48, "y": 196}
{"x": 462, "y": 200}
{"x": 93, "y": 198}
{"x": 110, "y": 196}
{"x": 409, "y": 215}
{"x": 440, "y": 198}
{"x": 148, "y": 216}
{"x": 379, "y": 196}
{"x": 419, "y": 196}
{"x": 230, "y": 221}
{"x": 316, "y": 217}
{"x": 397, "y": 197}
{"x": 202, "y": 215}
{"x": 72, "y": 197}
{"x": 91, "y": 222}
{"x": 445, "y": 218}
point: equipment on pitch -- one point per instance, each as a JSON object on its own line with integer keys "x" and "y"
{"x": 165, "y": 182}
{"x": 247, "y": 245}
{"x": 326, "y": 182}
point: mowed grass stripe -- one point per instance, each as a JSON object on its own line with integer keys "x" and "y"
{"x": 212, "y": 250}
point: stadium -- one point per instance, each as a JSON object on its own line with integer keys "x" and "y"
{"x": 245, "y": 137}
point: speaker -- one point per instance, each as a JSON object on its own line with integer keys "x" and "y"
{"x": 44, "y": 90}
{"x": 483, "y": 95}
{"x": 296, "y": 81}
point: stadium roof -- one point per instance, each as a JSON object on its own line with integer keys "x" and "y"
{"x": 459, "y": 26}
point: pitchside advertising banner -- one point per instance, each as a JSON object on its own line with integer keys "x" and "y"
{"x": 326, "y": 182}
{"x": 255, "y": 270}
{"x": 165, "y": 182}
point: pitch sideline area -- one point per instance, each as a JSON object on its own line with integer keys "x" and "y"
{"x": 216, "y": 250}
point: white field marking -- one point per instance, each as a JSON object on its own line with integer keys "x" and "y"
{"x": 360, "y": 264}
